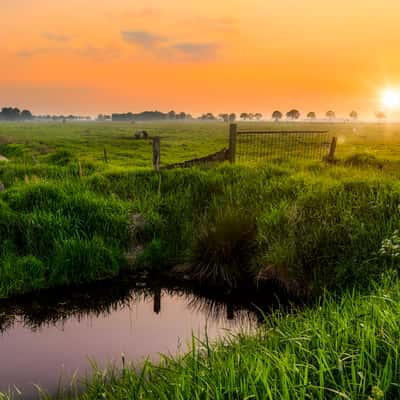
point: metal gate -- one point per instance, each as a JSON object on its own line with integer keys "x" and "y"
{"x": 254, "y": 146}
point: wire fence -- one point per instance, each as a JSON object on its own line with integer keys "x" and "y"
{"x": 253, "y": 146}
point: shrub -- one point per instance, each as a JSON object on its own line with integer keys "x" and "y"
{"x": 223, "y": 249}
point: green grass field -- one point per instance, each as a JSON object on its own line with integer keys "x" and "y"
{"x": 322, "y": 230}
{"x": 180, "y": 140}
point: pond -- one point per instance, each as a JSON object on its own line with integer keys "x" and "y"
{"x": 49, "y": 338}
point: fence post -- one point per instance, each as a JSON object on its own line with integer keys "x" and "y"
{"x": 105, "y": 155}
{"x": 232, "y": 142}
{"x": 156, "y": 153}
{"x": 332, "y": 149}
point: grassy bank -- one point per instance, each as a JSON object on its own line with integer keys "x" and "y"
{"x": 309, "y": 225}
{"x": 345, "y": 348}
{"x": 68, "y": 217}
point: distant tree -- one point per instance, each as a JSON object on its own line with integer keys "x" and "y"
{"x": 311, "y": 115}
{"x": 353, "y": 115}
{"x": 330, "y": 114}
{"x": 380, "y": 115}
{"x": 26, "y": 115}
{"x": 258, "y": 116}
{"x": 244, "y": 116}
{"x": 224, "y": 117}
{"x": 181, "y": 115}
{"x": 251, "y": 116}
{"x": 232, "y": 117}
{"x": 277, "y": 115}
{"x": 293, "y": 114}
{"x": 10, "y": 113}
{"x": 171, "y": 115}
{"x": 208, "y": 116}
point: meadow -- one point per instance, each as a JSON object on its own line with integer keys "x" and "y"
{"x": 325, "y": 232}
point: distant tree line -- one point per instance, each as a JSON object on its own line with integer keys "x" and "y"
{"x": 331, "y": 115}
{"x": 62, "y": 118}
{"x": 150, "y": 116}
{"x": 15, "y": 114}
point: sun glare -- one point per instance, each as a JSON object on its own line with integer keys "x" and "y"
{"x": 390, "y": 99}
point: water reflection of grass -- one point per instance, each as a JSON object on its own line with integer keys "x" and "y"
{"x": 56, "y": 307}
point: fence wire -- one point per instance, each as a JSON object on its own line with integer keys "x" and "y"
{"x": 254, "y": 146}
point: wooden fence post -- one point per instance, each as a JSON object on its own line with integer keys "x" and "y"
{"x": 232, "y": 142}
{"x": 105, "y": 155}
{"x": 332, "y": 150}
{"x": 156, "y": 153}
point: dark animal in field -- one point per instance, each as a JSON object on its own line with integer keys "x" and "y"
{"x": 141, "y": 135}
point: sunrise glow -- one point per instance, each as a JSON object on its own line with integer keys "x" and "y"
{"x": 390, "y": 99}
{"x": 199, "y": 56}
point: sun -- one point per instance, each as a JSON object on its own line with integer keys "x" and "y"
{"x": 390, "y": 99}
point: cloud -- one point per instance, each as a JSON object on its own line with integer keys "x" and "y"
{"x": 29, "y": 53}
{"x": 196, "y": 51}
{"x": 91, "y": 52}
{"x": 99, "y": 53}
{"x": 56, "y": 37}
{"x": 144, "y": 39}
{"x": 170, "y": 49}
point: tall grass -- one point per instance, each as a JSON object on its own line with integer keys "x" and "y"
{"x": 318, "y": 226}
{"x": 56, "y": 233}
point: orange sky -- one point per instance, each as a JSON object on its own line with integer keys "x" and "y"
{"x": 239, "y": 55}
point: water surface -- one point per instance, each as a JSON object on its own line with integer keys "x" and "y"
{"x": 55, "y": 334}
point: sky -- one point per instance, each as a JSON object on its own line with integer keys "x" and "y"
{"x": 90, "y": 57}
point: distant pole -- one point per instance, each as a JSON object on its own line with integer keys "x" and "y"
{"x": 332, "y": 149}
{"x": 105, "y": 156}
{"x": 232, "y": 142}
{"x": 156, "y": 154}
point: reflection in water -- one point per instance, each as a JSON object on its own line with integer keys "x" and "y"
{"x": 59, "y": 329}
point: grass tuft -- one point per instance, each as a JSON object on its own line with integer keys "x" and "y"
{"x": 223, "y": 248}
